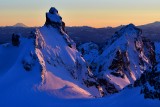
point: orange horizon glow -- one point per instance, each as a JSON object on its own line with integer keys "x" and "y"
{"x": 97, "y": 22}
{"x": 89, "y": 22}
{"x": 92, "y": 13}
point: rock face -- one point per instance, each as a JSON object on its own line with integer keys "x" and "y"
{"x": 15, "y": 39}
{"x": 150, "y": 79}
{"x": 125, "y": 57}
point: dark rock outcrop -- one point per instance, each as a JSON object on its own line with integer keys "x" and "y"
{"x": 15, "y": 39}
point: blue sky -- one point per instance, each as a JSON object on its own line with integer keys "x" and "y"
{"x": 97, "y": 13}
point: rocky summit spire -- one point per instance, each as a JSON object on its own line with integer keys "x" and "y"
{"x": 54, "y": 19}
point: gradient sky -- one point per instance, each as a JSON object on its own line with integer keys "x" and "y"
{"x": 96, "y": 13}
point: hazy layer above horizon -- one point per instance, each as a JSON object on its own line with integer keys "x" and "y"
{"x": 96, "y": 13}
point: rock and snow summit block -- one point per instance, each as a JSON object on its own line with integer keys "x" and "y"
{"x": 53, "y": 18}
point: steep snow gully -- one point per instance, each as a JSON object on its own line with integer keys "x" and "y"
{"x": 46, "y": 69}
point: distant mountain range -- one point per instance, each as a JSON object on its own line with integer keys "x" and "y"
{"x": 83, "y": 34}
{"x": 154, "y": 24}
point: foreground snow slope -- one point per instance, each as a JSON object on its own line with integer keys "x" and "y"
{"x": 126, "y": 98}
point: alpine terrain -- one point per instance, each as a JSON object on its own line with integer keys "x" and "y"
{"x": 46, "y": 69}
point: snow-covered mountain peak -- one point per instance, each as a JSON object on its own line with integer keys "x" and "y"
{"x": 129, "y": 26}
{"x": 62, "y": 62}
{"x": 19, "y": 25}
{"x": 130, "y": 29}
{"x": 123, "y": 59}
{"x": 126, "y": 33}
